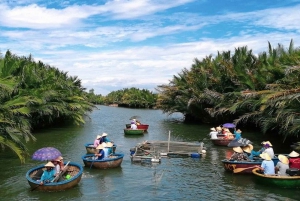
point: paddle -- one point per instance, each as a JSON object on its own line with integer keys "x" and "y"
{"x": 92, "y": 162}
{"x": 237, "y": 170}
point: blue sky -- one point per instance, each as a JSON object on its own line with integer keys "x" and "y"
{"x": 116, "y": 44}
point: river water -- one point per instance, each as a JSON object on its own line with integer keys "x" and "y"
{"x": 173, "y": 179}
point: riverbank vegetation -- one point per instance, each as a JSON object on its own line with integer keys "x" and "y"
{"x": 36, "y": 95}
{"x": 261, "y": 90}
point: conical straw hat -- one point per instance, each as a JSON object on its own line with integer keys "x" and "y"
{"x": 283, "y": 159}
{"x": 49, "y": 164}
{"x": 109, "y": 144}
{"x": 293, "y": 154}
{"x": 238, "y": 149}
{"x": 100, "y": 146}
{"x": 265, "y": 156}
{"x": 248, "y": 148}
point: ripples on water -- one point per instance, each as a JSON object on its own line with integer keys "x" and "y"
{"x": 172, "y": 179}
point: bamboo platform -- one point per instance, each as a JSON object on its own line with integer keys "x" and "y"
{"x": 172, "y": 148}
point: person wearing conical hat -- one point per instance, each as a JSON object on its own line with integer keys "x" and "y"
{"x": 238, "y": 154}
{"x": 268, "y": 149}
{"x": 97, "y": 141}
{"x": 282, "y": 165}
{"x": 104, "y": 138}
{"x": 294, "y": 160}
{"x": 267, "y": 166}
{"x": 60, "y": 162}
{"x": 99, "y": 152}
{"x": 237, "y": 133}
{"x": 248, "y": 151}
{"x": 48, "y": 174}
{"x": 213, "y": 134}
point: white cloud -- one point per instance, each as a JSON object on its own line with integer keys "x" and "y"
{"x": 113, "y": 54}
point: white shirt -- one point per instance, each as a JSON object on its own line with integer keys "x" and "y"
{"x": 213, "y": 135}
{"x": 270, "y": 151}
{"x": 133, "y": 126}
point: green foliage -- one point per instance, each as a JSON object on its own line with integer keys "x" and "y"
{"x": 132, "y": 97}
{"x": 262, "y": 89}
{"x": 36, "y": 95}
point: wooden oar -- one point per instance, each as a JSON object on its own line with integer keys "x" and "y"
{"x": 237, "y": 170}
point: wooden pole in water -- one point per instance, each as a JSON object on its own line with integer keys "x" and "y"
{"x": 169, "y": 141}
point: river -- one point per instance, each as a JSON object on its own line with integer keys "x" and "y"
{"x": 173, "y": 179}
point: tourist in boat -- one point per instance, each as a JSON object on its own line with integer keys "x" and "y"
{"x": 248, "y": 151}
{"x": 48, "y": 174}
{"x": 219, "y": 130}
{"x": 294, "y": 160}
{"x": 267, "y": 166}
{"x": 213, "y": 134}
{"x": 138, "y": 122}
{"x": 238, "y": 155}
{"x": 238, "y": 134}
{"x": 228, "y": 134}
{"x": 257, "y": 153}
{"x": 133, "y": 125}
{"x": 60, "y": 162}
{"x": 99, "y": 152}
{"x": 268, "y": 149}
{"x": 104, "y": 138}
{"x": 97, "y": 141}
{"x": 56, "y": 166}
{"x": 282, "y": 165}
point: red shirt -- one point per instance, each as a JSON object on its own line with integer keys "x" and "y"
{"x": 294, "y": 162}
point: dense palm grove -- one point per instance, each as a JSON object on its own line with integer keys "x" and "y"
{"x": 132, "y": 97}
{"x": 261, "y": 90}
{"x": 35, "y": 95}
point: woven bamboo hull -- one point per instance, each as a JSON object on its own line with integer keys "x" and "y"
{"x": 275, "y": 180}
{"x": 90, "y": 149}
{"x": 221, "y": 142}
{"x": 106, "y": 163}
{"x": 56, "y": 186}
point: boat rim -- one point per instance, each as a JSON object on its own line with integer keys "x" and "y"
{"x": 54, "y": 183}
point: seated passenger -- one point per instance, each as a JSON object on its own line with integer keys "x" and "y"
{"x": 267, "y": 166}
{"x": 99, "y": 152}
{"x": 56, "y": 166}
{"x": 104, "y": 138}
{"x": 282, "y": 165}
{"x": 294, "y": 160}
{"x": 238, "y": 155}
{"x": 97, "y": 141}
{"x": 213, "y": 134}
{"x": 60, "y": 162}
{"x": 268, "y": 149}
{"x": 248, "y": 151}
{"x": 133, "y": 125}
{"x": 48, "y": 174}
{"x": 238, "y": 134}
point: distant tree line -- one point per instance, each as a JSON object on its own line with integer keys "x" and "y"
{"x": 131, "y": 97}
{"x": 261, "y": 90}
